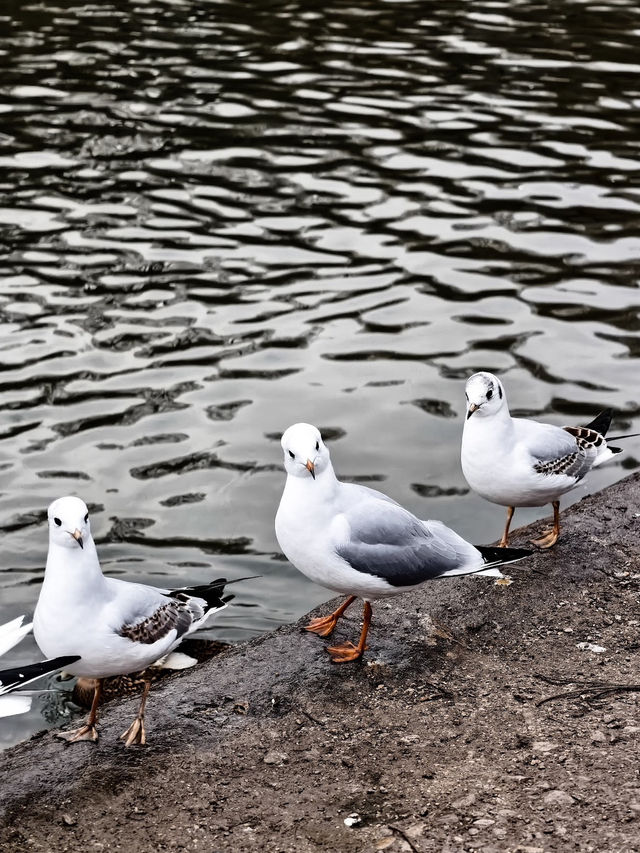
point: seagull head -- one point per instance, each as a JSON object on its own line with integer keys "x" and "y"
{"x": 305, "y": 454}
{"x": 68, "y": 522}
{"x": 485, "y": 395}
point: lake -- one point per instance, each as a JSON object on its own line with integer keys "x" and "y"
{"x": 220, "y": 218}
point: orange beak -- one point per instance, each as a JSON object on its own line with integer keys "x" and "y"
{"x": 472, "y": 408}
{"x": 311, "y": 468}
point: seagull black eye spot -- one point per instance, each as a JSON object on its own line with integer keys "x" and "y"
{"x": 292, "y": 454}
{"x": 489, "y": 393}
{"x": 58, "y": 522}
{"x": 317, "y": 445}
{"x": 86, "y": 518}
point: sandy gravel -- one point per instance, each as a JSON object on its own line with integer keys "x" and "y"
{"x": 437, "y": 742}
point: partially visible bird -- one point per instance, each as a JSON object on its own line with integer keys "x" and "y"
{"x": 116, "y": 626}
{"x": 13, "y": 679}
{"x": 520, "y": 462}
{"x": 357, "y": 541}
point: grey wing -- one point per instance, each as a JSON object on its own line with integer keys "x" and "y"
{"x": 145, "y": 614}
{"x": 555, "y": 450}
{"x": 389, "y": 542}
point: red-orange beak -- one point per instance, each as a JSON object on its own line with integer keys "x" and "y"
{"x": 311, "y": 468}
{"x": 78, "y": 537}
{"x": 472, "y": 408}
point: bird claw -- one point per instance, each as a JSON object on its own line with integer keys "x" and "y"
{"x": 345, "y": 652}
{"x": 88, "y": 732}
{"x": 135, "y": 734}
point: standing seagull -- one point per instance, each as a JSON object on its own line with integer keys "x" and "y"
{"x": 359, "y": 542}
{"x": 116, "y": 627}
{"x": 13, "y": 679}
{"x": 519, "y": 462}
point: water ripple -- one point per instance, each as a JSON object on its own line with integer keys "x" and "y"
{"x": 213, "y": 226}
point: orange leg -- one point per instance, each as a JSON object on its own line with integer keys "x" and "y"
{"x": 324, "y": 625}
{"x": 551, "y": 536}
{"x": 136, "y": 733}
{"x": 505, "y": 536}
{"x": 346, "y": 652}
{"x": 89, "y": 730}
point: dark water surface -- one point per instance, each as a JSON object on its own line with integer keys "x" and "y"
{"x": 219, "y": 218}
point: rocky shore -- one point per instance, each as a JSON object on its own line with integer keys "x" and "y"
{"x": 484, "y": 718}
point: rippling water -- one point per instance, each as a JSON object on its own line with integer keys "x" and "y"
{"x": 218, "y": 218}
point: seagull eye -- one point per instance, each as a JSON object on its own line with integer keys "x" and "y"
{"x": 86, "y": 518}
{"x": 489, "y": 393}
{"x": 317, "y": 445}
{"x": 292, "y": 454}
{"x": 58, "y": 522}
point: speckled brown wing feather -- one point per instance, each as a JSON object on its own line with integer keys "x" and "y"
{"x": 173, "y": 615}
{"x": 577, "y": 463}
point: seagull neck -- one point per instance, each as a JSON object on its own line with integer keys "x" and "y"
{"x": 73, "y": 568}
{"x": 322, "y": 488}
{"x": 499, "y": 422}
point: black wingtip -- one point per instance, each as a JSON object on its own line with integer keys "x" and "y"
{"x": 12, "y": 679}
{"x": 212, "y": 593}
{"x": 498, "y": 556}
{"x": 601, "y": 422}
{"x": 620, "y": 437}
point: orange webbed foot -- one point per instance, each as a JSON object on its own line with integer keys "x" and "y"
{"x": 547, "y": 541}
{"x": 322, "y": 625}
{"x": 88, "y": 732}
{"x": 345, "y": 652}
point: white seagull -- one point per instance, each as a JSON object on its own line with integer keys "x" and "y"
{"x": 359, "y": 542}
{"x": 13, "y": 679}
{"x": 520, "y": 462}
{"x": 117, "y": 627}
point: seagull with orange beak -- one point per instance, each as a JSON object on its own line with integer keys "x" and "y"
{"x": 519, "y": 462}
{"x": 361, "y": 543}
{"x": 115, "y": 626}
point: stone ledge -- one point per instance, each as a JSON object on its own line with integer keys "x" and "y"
{"x": 436, "y": 742}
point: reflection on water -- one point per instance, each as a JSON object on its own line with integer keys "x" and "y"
{"x": 215, "y": 224}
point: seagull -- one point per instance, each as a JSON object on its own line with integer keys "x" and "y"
{"x": 117, "y": 627}
{"x": 12, "y": 679}
{"x": 520, "y": 462}
{"x": 359, "y": 542}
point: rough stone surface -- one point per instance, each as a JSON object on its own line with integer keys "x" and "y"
{"x": 437, "y": 742}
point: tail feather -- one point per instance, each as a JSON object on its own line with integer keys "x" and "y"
{"x": 12, "y": 632}
{"x": 15, "y": 703}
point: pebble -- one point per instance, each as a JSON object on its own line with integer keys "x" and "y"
{"x": 558, "y": 798}
{"x": 276, "y": 758}
{"x": 591, "y": 647}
